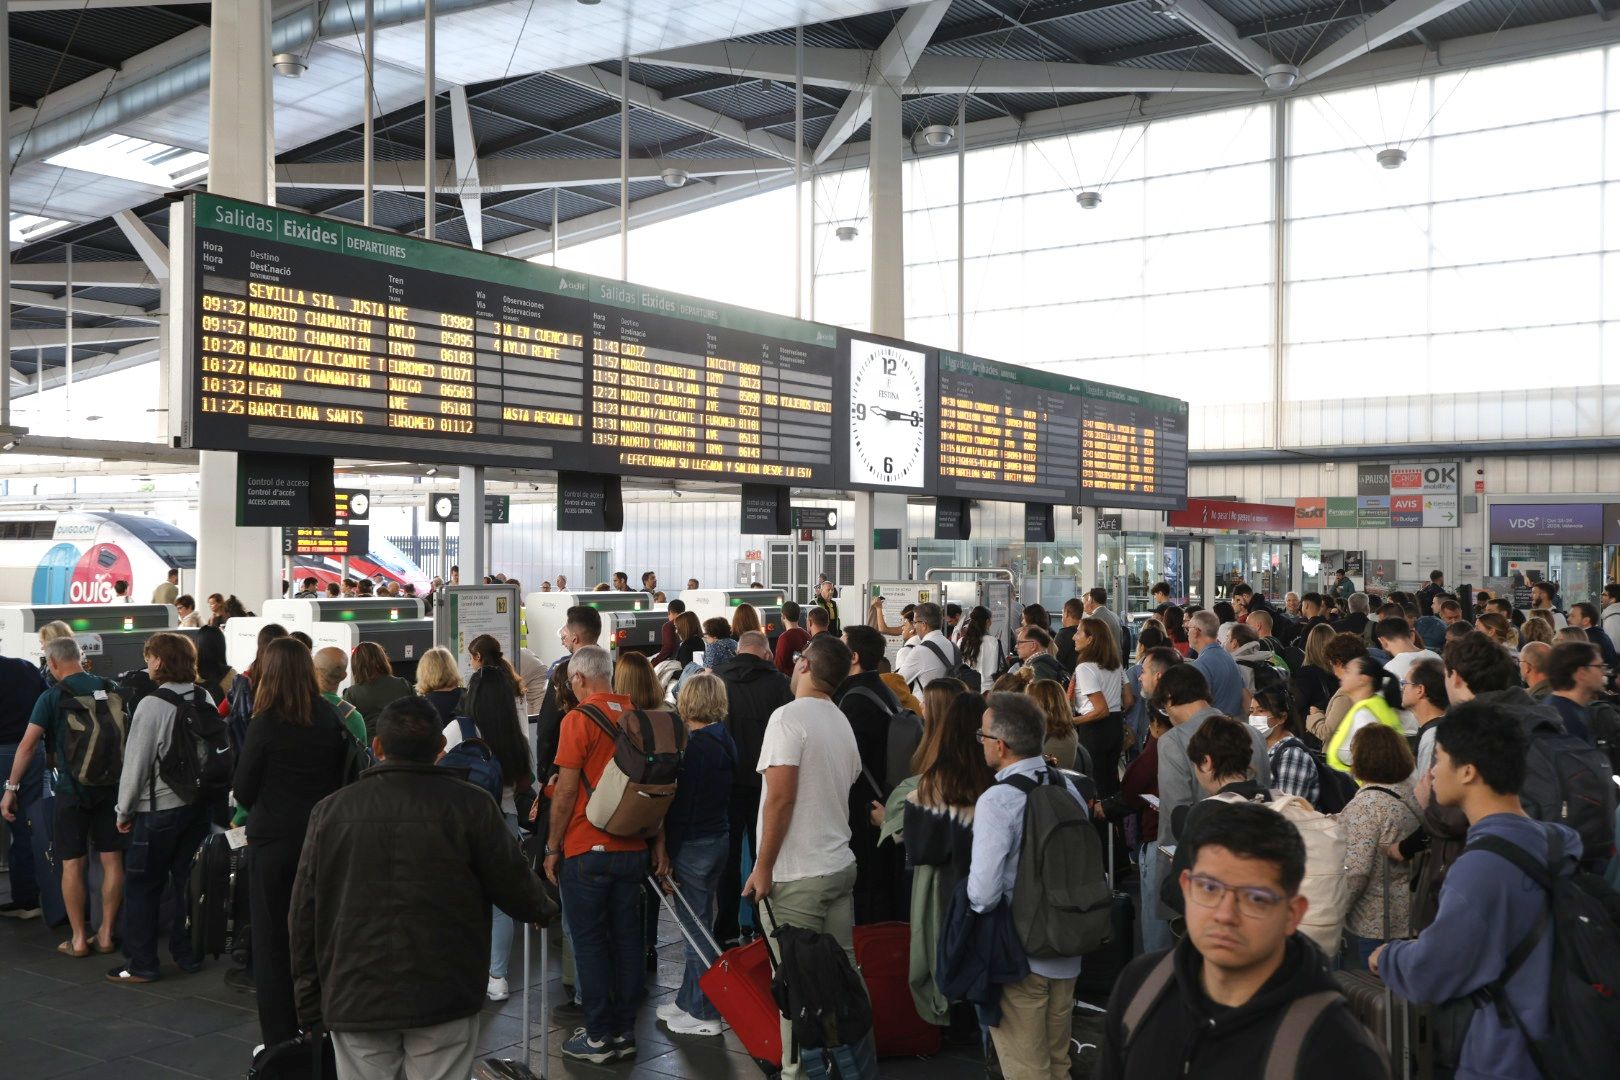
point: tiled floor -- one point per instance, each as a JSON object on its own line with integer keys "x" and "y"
{"x": 59, "y": 1018}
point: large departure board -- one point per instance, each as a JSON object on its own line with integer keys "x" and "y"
{"x": 1006, "y": 432}
{"x": 320, "y": 337}
{"x": 1133, "y": 452}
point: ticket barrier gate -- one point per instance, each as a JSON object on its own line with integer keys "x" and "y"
{"x": 112, "y": 637}
{"x": 722, "y": 603}
{"x": 547, "y": 612}
{"x": 403, "y": 640}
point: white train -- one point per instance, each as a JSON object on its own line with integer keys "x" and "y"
{"x": 76, "y": 557}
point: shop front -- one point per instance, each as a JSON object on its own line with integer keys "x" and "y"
{"x": 1575, "y": 545}
{"x": 1222, "y": 543}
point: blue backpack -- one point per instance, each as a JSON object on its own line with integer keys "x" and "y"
{"x": 473, "y": 755}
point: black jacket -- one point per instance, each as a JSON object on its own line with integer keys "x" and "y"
{"x": 390, "y": 912}
{"x": 1046, "y": 666}
{"x": 754, "y": 690}
{"x": 942, "y": 837}
{"x": 1312, "y": 686}
{"x": 1354, "y": 623}
{"x": 1187, "y": 1034}
{"x": 284, "y": 770}
{"x": 871, "y": 725}
{"x": 1067, "y": 658}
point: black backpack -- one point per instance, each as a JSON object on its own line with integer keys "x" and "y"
{"x": 1266, "y": 674}
{"x": 818, "y": 989}
{"x": 1604, "y": 724}
{"x": 1569, "y": 781}
{"x": 905, "y": 735}
{"x": 957, "y": 669}
{"x": 1335, "y": 788}
{"x": 1583, "y": 1001}
{"x": 199, "y": 759}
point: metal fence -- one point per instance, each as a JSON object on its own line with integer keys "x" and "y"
{"x": 424, "y": 551}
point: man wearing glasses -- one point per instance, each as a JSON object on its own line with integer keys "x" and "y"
{"x": 1242, "y": 995}
{"x": 1576, "y": 672}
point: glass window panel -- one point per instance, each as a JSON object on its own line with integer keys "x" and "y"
{"x": 1525, "y": 226}
{"x": 1611, "y": 141}
{"x": 1609, "y": 370}
{"x": 995, "y": 226}
{"x": 1611, "y": 278}
{"x": 1239, "y": 195}
{"x": 1351, "y": 244}
{"x": 1223, "y": 318}
{"x": 998, "y": 335}
{"x": 1353, "y": 119}
{"x": 1050, "y": 276}
{"x": 1387, "y": 305}
{"x": 1383, "y": 367}
{"x": 1352, "y": 180}
{"x": 1556, "y": 154}
{"x": 1106, "y": 270}
{"x": 939, "y": 331}
{"x": 842, "y": 196}
{"x": 931, "y": 235}
{"x": 1208, "y": 140}
{"x": 931, "y": 289}
{"x": 1049, "y": 166}
{"x": 930, "y": 181}
{"x": 991, "y": 172}
{"x": 1227, "y": 376}
{"x": 1062, "y": 221}
{"x": 1204, "y": 260}
{"x": 843, "y": 299}
{"x": 1108, "y": 328}
{"x": 1050, "y": 332}
{"x": 831, "y": 255}
{"x": 1488, "y": 97}
{"x": 996, "y": 283}
{"x": 1515, "y": 294}
{"x": 1121, "y": 215}
{"x": 1499, "y": 361}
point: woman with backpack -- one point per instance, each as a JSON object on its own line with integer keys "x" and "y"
{"x": 296, "y": 754}
{"x": 980, "y": 649}
{"x": 1375, "y": 698}
{"x": 1293, "y": 769}
{"x": 1099, "y": 701}
{"x": 164, "y": 828}
{"x": 489, "y": 711}
{"x": 1382, "y": 813}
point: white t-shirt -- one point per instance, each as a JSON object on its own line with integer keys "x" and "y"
{"x": 813, "y": 735}
{"x": 1090, "y": 678}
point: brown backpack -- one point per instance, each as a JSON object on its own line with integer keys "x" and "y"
{"x": 635, "y": 789}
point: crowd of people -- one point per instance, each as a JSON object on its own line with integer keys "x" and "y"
{"x": 828, "y": 780}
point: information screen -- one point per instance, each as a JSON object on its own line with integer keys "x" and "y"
{"x": 1006, "y": 433}
{"x": 315, "y": 336}
{"x": 343, "y": 540}
{"x": 1133, "y": 452}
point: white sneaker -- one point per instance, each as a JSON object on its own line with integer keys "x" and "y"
{"x": 669, "y": 1011}
{"x": 498, "y": 989}
{"x": 685, "y": 1024}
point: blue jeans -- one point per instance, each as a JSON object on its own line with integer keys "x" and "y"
{"x": 500, "y": 931}
{"x": 698, "y": 866}
{"x": 602, "y": 892}
{"x": 24, "y": 883}
{"x": 161, "y": 850}
{"x": 1156, "y": 936}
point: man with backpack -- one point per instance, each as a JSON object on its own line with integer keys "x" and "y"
{"x": 883, "y": 731}
{"x": 175, "y": 736}
{"x": 81, "y": 720}
{"x": 932, "y": 656}
{"x": 599, "y": 874}
{"x": 1243, "y": 994}
{"x": 1032, "y": 1039}
{"x": 1500, "y": 950}
{"x": 804, "y": 872}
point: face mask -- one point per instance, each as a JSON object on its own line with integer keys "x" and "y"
{"x": 1261, "y": 723}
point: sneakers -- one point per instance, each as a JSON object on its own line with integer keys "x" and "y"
{"x": 624, "y": 1046}
{"x": 122, "y": 974}
{"x": 581, "y": 1047}
{"x": 568, "y": 1009}
{"x": 683, "y": 1023}
{"x": 12, "y": 910}
{"x": 498, "y": 990}
{"x": 669, "y": 1011}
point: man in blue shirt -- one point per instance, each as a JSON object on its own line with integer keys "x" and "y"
{"x": 1226, "y": 690}
{"x": 1012, "y": 733}
{"x": 1585, "y": 617}
{"x": 20, "y": 687}
{"x": 85, "y": 816}
{"x": 1576, "y": 673}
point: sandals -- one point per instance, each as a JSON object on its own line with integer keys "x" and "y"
{"x": 67, "y": 949}
{"x": 108, "y": 951}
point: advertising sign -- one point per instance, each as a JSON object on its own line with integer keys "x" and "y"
{"x": 1219, "y": 514}
{"x": 1547, "y": 523}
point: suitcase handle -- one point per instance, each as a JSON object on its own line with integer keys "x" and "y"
{"x": 675, "y": 890}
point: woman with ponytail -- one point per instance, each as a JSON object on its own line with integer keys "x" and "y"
{"x": 1375, "y": 698}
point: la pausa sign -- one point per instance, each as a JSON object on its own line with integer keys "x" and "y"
{"x": 1219, "y": 514}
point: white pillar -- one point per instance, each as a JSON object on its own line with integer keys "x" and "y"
{"x": 888, "y": 317}
{"x": 1089, "y": 578}
{"x": 472, "y": 558}
{"x": 232, "y": 560}
{"x": 5, "y": 216}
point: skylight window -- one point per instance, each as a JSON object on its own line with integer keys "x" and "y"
{"x": 26, "y": 228}
{"x": 140, "y": 160}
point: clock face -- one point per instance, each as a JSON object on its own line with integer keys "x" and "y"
{"x": 359, "y": 506}
{"x": 445, "y": 507}
{"x": 887, "y": 415}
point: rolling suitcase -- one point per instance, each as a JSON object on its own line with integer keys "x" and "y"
{"x": 1386, "y": 1016}
{"x": 737, "y": 983}
{"x": 217, "y": 898}
{"x": 1101, "y": 968}
{"x": 883, "y": 957}
{"x": 491, "y": 1068}
{"x": 303, "y": 1057}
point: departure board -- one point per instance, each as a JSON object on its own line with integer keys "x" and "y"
{"x": 1133, "y": 452}
{"x": 1006, "y": 433}
{"x": 320, "y": 337}
{"x": 343, "y": 540}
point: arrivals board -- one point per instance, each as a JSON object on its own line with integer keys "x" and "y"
{"x": 1007, "y": 433}
{"x": 1133, "y": 449}
{"x": 317, "y": 336}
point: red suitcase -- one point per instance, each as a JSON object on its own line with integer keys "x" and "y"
{"x": 883, "y": 954}
{"x": 738, "y": 985}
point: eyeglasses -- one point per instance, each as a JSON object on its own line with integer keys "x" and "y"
{"x": 985, "y": 736}
{"x": 1252, "y": 902}
{"x": 1021, "y": 642}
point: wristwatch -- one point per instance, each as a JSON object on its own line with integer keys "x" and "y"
{"x": 550, "y": 851}
{"x": 13, "y": 787}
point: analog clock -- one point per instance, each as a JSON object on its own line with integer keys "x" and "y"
{"x": 887, "y": 415}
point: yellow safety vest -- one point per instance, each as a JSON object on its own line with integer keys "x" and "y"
{"x": 1382, "y": 712}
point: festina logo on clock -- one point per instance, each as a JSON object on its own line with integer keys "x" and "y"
{"x": 886, "y": 415}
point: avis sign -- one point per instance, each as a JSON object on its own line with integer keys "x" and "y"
{"x": 1408, "y": 496}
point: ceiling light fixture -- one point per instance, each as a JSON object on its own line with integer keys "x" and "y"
{"x": 589, "y": 3}
{"x": 433, "y": 470}
{"x": 675, "y": 178}
{"x": 935, "y": 136}
{"x": 1281, "y": 77}
{"x": 1089, "y": 200}
{"x": 1167, "y": 8}
{"x": 1392, "y": 157}
{"x": 289, "y": 65}
{"x": 846, "y": 232}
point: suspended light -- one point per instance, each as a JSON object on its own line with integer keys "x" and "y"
{"x": 674, "y": 178}
{"x": 1089, "y": 200}
{"x": 1281, "y": 77}
{"x": 1392, "y": 157}
{"x": 846, "y": 232}
{"x": 289, "y": 65}
{"x": 937, "y": 135}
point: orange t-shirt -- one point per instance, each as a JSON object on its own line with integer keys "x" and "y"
{"x": 584, "y": 746}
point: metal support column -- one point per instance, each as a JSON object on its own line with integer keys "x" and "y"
{"x": 430, "y": 120}
{"x": 67, "y": 350}
{"x": 368, "y": 157}
{"x": 961, "y": 224}
{"x": 5, "y": 215}
{"x": 798, "y": 172}
{"x": 1279, "y": 261}
{"x": 472, "y": 558}
{"x": 624, "y": 169}
{"x": 230, "y": 560}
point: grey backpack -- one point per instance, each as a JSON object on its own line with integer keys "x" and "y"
{"x": 1062, "y": 901}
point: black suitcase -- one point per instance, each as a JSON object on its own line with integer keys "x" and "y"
{"x": 218, "y": 900}
{"x": 302, "y": 1057}
{"x": 1100, "y": 970}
